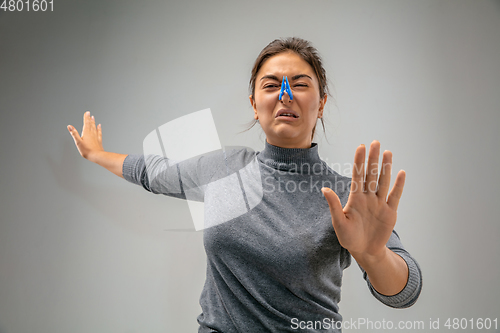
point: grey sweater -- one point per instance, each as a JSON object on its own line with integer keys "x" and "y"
{"x": 273, "y": 258}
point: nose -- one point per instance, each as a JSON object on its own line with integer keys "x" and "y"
{"x": 285, "y": 99}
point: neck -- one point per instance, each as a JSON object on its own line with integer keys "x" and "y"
{"x": 289, "y": 144}
{"x": 302, "y": 160}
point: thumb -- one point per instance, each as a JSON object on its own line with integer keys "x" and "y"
{"x": 74, "y": 134}
{"x": 334, "y": 203}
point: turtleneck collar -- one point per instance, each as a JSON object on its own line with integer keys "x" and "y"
{"x": 291, "y": 159}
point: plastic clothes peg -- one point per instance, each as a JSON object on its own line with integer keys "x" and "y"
{"x": 288, "y": 89}
{"x": 285, "y": 87}
{"x": 282, "y": 88}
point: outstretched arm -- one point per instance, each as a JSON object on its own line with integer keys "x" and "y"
{"x": 89, "y": 144}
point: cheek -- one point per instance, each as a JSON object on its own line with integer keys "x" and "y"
{"x": 310, "y": 103}
{"x": 264, "y": 102}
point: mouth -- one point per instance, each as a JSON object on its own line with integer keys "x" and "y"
{"x": 287, "y": 113}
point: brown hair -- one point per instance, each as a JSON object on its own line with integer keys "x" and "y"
{"x": 306, "y": 51}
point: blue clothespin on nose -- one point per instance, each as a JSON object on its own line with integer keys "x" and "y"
{"x": 285, "y": 87}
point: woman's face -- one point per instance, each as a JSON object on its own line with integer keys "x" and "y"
{"x": 284, "y": 131}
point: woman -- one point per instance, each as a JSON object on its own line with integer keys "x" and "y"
{"x": 278, "y": 266}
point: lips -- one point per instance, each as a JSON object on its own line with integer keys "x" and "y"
{"x": 287, "y": 113}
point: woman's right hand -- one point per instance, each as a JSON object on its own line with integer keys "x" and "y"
{"x": 90, "y": 142}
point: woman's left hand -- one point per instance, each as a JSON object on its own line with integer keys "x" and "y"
{"x": 366, "y": 222}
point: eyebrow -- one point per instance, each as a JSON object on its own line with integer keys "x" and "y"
{"x": 296, "y": 77}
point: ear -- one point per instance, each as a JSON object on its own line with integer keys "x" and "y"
{"x": 254, "y": 107}
{"x": 322, "y": 103}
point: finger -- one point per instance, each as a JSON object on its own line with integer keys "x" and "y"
{"x": 335, "y": 206}
{"x": 384, "y": 180}
{"x": 86, "y": 117}
{"x": 92, "y": 124}
{"x": 397, "y": 190}
{"x": 99, "y": 133}
{"x": 358, "y": 170}
{"x": 74, "y": 134}
{"x": 372, "y": 168}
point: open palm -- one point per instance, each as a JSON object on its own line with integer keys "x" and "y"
{"x": 365, "y": 224}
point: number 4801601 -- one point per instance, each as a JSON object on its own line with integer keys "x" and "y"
{"x": 464, "y": 323}
{"x": 33, "y": 5}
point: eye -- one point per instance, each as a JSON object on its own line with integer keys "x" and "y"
{"x": 300, "y": 85}
{"x": 270, "y": 86}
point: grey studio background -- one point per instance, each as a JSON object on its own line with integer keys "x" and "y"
{"x": 82, "y": 250}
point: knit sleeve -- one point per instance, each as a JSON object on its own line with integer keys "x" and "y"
{"x": 186, "y": 179}
{"x": 410, "y": 293}
{"x": 160, "y": 175}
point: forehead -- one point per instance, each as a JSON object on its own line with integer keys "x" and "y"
{"x": 288, "y": 64}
